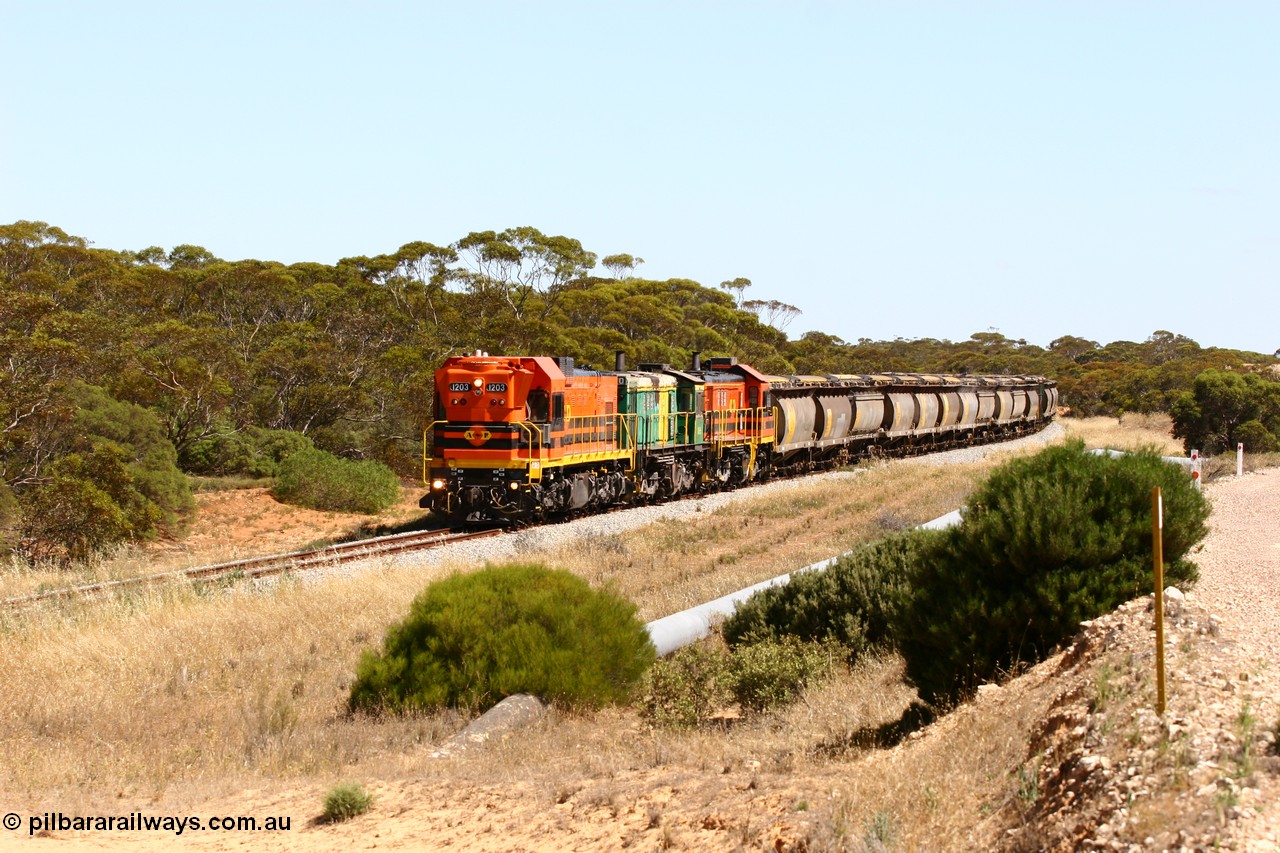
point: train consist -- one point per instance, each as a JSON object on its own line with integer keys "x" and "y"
{"x": 521, "y": 439}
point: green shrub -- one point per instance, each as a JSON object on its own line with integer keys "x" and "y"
{"x": 772, "y": 673}
{"x": 10, "y": 519}
{"x": 145, "y": 450}
{"x": 345, "y": 801}
{"x": 472, "y": 640}
{"x": 855, "y": 602}
{"x": 89, "y": 502}
{"x": 320, "y": 480}
{"x": 113, "y": 477}
{"x": 251, "y": 452}
{"x": 1256, "y": 438}
{"x": 1047, "y": 542}
{"x": 1222, "y": 402}
{"x": 685, "y": 689}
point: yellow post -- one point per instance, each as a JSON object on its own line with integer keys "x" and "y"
{"x": 1157, "y": 543}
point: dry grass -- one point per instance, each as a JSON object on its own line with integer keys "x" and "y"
{"x": 1133, "y": 432}
{"x": 1128, "y": 432}
{"x": 1225, "y": 465}
{"x": 20, "y": 577}
{"x": 676, "y": 564}
{"x": 204, "y": 692}
{"x": 173, "y": 685}
{"x": 160, "y": 687}
{"x": 238, "y": 523}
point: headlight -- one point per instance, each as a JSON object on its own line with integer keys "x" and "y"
{"x": 437, "y": 484}
{"x": 514, "y": 486}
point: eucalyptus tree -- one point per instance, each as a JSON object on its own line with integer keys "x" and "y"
{"x": 515, "y": 264}
{"x": 621, "y": 265}
{"x": 736, "y": 286}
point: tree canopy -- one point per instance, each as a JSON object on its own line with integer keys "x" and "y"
{"x": 229, "y": 358}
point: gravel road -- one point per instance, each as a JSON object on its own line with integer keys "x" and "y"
{"x": 1240, "y": 561}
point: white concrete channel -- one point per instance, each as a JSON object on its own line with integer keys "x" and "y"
{"x": 688, "y": 626}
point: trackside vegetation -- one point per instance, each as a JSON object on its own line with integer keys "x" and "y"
{"x": 113, "y": 477}
{"x": 1047, "y": 542}
{"x": 1224, "y": 408}
{"x": 855, "y": 603}
{"x": 471, "y": 640}
{"x": 244, "y": 362}
{"x": 345, "y": 801}
{"x": 251, "y": 452}
{"x": 320, "y": 480}
{"x": 689, "y": 687}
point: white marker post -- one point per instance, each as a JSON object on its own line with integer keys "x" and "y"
{"x": 1240, "y": 459}
{"x": 1195, "y": 469}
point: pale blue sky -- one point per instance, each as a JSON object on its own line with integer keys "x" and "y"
{"x": 904, "y": 169}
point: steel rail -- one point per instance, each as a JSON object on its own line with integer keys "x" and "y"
{"x": 259, "y": 567}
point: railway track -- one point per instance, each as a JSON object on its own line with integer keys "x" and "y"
{"x": 331, "y": 555}
{"x": 258, "y": 567}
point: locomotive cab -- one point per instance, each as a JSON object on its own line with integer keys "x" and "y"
{"x": 484, "y": 390}
{"x": 482, "y": 406}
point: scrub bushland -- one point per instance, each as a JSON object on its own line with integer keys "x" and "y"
{"x": 320, "y": 480}
{"x": 471, "y": 640}
{"x": 1047, "y": 542}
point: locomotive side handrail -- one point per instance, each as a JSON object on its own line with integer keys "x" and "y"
{"x": 739, "y": 426}
{"x": 676, "y": 423}
{"x": 534, "y": 433}
{"x": 592, "y": 431}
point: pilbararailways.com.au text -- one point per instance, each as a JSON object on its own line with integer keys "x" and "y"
{"x": 139, "y": 822}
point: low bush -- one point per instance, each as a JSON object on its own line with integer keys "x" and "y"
{"x": 772, "y": 673}
{"x": 472, "y": 640}
{"x": 320, "y": 480}
{"x": 89, "y": 502}
{"x": 1047, "y": 542}
{"x": 251, "y": 452}
{"x": 144, "y": 449}
{"x": 346, "y": 801}
{"x": 855, "y": 602}
{"x": 1256, "y": 438}
{"x": 687, "y": 688}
